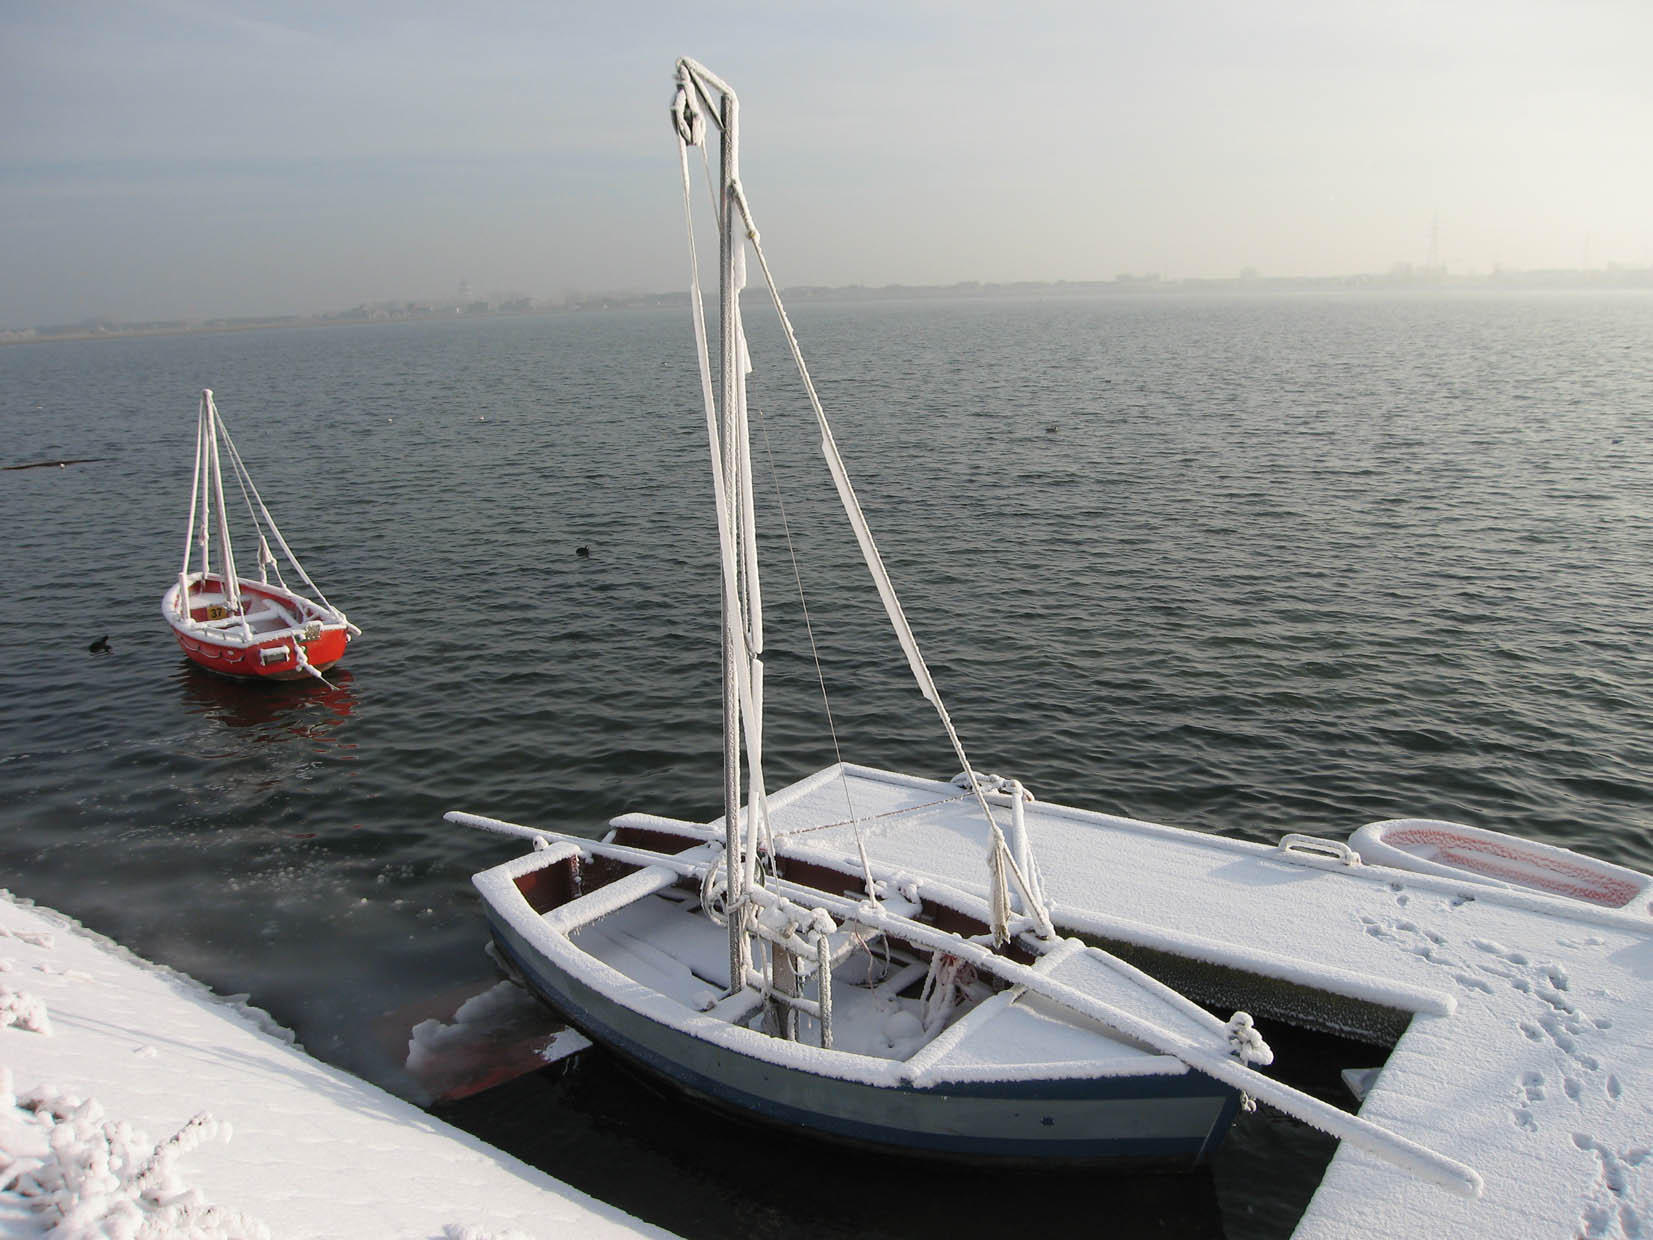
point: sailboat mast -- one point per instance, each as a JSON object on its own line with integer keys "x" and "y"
{"x": 226, "y": 553}
{"x": 197, "y": 510}
{"x": 731, "y": 433}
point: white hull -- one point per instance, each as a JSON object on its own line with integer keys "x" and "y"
{"x": 1119, "y": 1102}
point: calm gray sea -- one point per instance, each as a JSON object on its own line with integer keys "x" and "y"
{"x": 1244, "y": 564}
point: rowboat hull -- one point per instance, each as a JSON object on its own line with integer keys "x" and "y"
{"x": 1166, "y": 1118}
{"x": 1428, "y": 846}
{"x": 281, "y": 627}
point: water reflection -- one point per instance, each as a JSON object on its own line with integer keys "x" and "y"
{"x": 306, "y": 709}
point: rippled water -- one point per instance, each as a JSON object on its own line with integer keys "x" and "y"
{"x": 1244, "y": 565}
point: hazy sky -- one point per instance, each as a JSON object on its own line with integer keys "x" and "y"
{"x": 175, "y": 158}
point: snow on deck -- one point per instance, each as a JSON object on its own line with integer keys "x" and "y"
{"x": 130, "y": 1094}
{"x": 1529, "y": 1049}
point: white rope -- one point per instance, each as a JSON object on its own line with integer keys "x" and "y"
{"x": 815, "y": 656}
{"x": 303, "y": 662}
{"x": 244, "y": 477}
{"x": 1001, "y": 865}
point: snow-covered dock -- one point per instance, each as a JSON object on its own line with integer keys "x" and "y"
{"x": 1524, "y": 1021}
{"x": 131, "y": 1095}
{"x": 1523, "y": 1028}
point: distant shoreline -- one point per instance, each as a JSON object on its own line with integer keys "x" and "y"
{"x": 1402, "y": 279}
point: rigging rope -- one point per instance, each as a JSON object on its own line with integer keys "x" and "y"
{"x": 245, "y": 479}
{"x": 688, "y": 122}
{"x": 1001, "y": 864}
{"x": 815, "y": 656}
{"x": 854, "y": 822}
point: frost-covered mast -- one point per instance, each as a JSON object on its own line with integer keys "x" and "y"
{"x": 208, "y": 510}
{"x": 700, "y": 91}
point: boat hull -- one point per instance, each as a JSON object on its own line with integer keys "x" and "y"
{"x": 1167, "y": 1119}
{"x": 269, "y": 649}
{"x": 248, "y": 662}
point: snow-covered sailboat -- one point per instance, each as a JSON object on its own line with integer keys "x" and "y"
{"x": 257, "y": 629}
{"x": 820, "y": 990}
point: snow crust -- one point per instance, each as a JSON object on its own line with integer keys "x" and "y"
{"x": 135, "y": 1103}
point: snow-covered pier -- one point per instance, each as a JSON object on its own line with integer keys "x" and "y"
{"x": 1524, "y": 1021}
{"x": 132, "y": 1097}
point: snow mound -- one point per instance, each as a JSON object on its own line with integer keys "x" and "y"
{"x": 88, "y": 1177}
{"x": 24, "y": 1011}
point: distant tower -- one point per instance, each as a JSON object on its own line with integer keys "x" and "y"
{"x": 1435, "y": 245}
{"x": 464, "y": 292}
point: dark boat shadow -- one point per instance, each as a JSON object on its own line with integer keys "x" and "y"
{"x": 595, "y": 1124}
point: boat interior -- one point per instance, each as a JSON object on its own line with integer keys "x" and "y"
{"x": 888, "y": 999}
{"x": 262, "y": 610}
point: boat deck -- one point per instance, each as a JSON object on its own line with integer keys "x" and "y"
{"x": 664, "y": 943}
{"x": 1524, "y": 1021}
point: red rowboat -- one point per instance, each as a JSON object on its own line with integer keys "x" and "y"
{"x": 256, "y": 629}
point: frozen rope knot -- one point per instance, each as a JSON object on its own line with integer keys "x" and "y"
{"x": 714, "y": 894}
{"x": 988, "y": 783}
{"x": 686, "y": 118}
{"x": 1246, "y": 1043}
{"x": 821, "y": 922}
